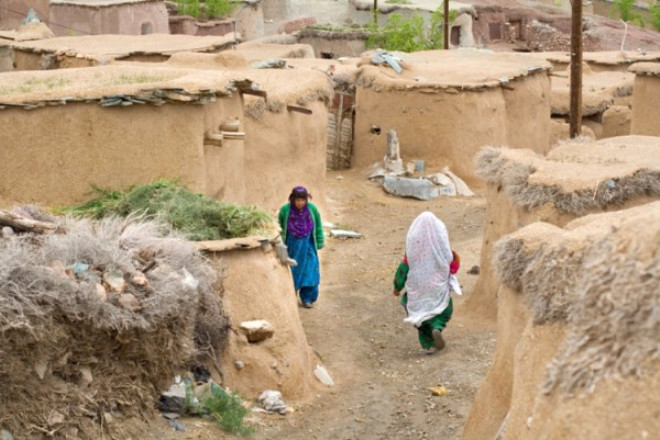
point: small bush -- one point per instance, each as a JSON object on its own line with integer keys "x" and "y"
{"x": 409, "y": 35}
{"x": 225, "y": 408}
{"x": 625, "y": 10}
{"x": 655, "y": 16}
{"x": 196, "y": 216}
{"x": 218, "y": 8}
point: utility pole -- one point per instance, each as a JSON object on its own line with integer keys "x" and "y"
{"x": 575, "y": 125}
{"x": 445, "y": 25}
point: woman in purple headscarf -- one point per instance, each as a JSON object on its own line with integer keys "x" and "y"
{"x": 302, "y": 231}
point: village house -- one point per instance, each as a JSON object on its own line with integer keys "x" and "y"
{"x": 90, "y": 17}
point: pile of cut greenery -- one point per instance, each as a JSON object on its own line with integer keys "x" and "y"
{"x": 195, "y": 216}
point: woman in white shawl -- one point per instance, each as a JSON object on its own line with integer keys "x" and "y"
{"x": 427, "y": 273}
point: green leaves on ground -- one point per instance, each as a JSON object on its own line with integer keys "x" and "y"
{"x": 196, "y": 216}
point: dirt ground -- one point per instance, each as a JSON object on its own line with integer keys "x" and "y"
{"x": 381, "y": 375}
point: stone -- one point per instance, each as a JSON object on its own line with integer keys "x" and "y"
{"x": 115, "y": 280}
{"x": 258, "y": 330}
{"x": 129, "y": 302}
{"x": 421, "y": 189}
{"x": 140, "y": 279}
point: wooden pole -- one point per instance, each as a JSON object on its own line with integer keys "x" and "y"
{"x": 445, "y": 24}
{"x": 376, "y": 13}
{"x": 575, "y": 125}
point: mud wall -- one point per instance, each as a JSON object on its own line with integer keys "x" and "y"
{"x": 51, "y": 155}
{"x": 542, "y": 383}
{"x": 249, "y": 21}
{"x": 126, "y": 19}
{"x": 447, "y": 127}
{"x": 276, "y": 9}
{"x": 282, "y": 150}
{"x": 13, "y": 12}
{"x": 257, "y": 286}
{"x": 646, "y": 113}
{"x": 339, "y": 47}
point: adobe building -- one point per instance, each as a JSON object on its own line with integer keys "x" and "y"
{"x": 90, "y": 17}
{"x": 562, "y": 189}
{"x": 94, "y": 50}
{"x": 460, "y": 35}
{"x": 445, "y": 105}
{"x": 117, "y": 126}
{"x": 646, "y": 95}
{"x": 577, "y": 331}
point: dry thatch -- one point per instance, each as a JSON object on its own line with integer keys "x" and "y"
{"x": 601, "y": 277}
{"x": 513, "y": 176}
{"x": 73, "y": 357}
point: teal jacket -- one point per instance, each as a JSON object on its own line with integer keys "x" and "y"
{"x": 317, "y": 233}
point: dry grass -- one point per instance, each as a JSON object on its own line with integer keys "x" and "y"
{"x": 513, "y": 176}
{"x": 600, "y": 278}
{"x": 55, "y": 326}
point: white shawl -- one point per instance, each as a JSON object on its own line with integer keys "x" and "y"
{"x": 429, "y": 282}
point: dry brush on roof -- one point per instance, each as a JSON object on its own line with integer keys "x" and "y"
{"x": 97, "y": 321}
{"x": 256, "y": 108}
{"x": 600, "y": 276}
{"x": 501, "y": 171}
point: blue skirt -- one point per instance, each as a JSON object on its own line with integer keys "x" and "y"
{"x": 306, "y": 273}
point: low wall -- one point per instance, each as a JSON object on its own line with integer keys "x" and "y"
{"x": 572, "y": 349}
{"x": 115, "y": 147}
{"x": 646, "y": 95}
{"x": 257, "y": 286}
{"x": 447, "y": 126}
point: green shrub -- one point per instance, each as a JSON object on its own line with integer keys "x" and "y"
{"x": 189, "y": 7}
{"x": 625, "y": 10}
{"x": 196, "y": 216}
{"x": 409, "y": 35}
{"x": 218, "y": 8}
{"x": 225, "y": 408}
{"x": 655, "y": 16}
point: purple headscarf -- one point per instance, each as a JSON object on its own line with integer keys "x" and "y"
{"x": 300, "y": 222}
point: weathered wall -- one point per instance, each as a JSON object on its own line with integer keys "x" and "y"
{"x": 448, "y": 127}
{"x": 257, "y": 286}
{"x": 126, "y": 19}
{"x": 276, "y": 9}
{"x": 6, "y": 59}
{"x": 13, "y": 12}
{"x": 646, "y": 112}
{"x": 283, "y": 150}
{"x": 548, "y": 380}
{"x": 249, "y": 21}
{"x": 81, "y": 144}
{"x": 339, "y": 47}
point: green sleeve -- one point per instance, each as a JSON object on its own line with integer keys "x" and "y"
{"x": 282, "y": 218}
{"x": 401, "y": 276}
{"x": 319, "y": 237}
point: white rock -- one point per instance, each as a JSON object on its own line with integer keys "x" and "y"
{"x": 258, "y": 330}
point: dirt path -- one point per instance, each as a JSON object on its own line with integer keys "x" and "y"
{"x": 381, "y": 375}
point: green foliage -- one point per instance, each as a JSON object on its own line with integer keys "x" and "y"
{"x": 409, "y": 35}
{"x": 398, "y": 2}
{"x": 399, "y": 34}
{"x": 625, "y": 10}
{"x": 196, "y": 216}
{"x": 654, "y": 12}
{"x": 218, "y": 8}
{"x": 212, "y": 8}
{"x": 189, "y": 7}
{"x": 226, "y": 409}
